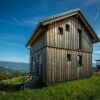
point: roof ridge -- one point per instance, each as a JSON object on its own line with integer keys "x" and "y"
{"x": 60, "y": 14}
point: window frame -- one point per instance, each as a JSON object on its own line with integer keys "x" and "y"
{"x": 69, "y": 58}
{"x": 60, "y": 30}
{"x": 67, "y": 27}
{"x": 79, "y": 61}
{"x": 79, "y": 38}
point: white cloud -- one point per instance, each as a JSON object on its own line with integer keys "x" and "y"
{"x": 11, "y": 44}
{"x": 27, "y": 22}
{"x": 13, "y": 40}
{"x": 12, "y": 36}
{"x": 97, "y": 16}
{"x": 7, "y": 21}
{"x": 99, "y": 35}
{"x": 97, "y": 29}
{"x": 97, "y": 51}
{"x": 91, "y": 2}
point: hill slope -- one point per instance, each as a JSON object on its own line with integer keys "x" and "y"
{"x": 15, "y": 65}
{"x": 3, "y": 69}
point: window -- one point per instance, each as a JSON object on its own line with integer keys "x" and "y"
{"x": 79, "y": 60}
{"x": 68, "y": 57}
{"x": 67, "y": 27}
{"x": 79, "y": 39}
{"x": 60, "y": 30}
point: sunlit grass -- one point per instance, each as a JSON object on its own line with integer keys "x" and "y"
{"x": 84, "y": 89}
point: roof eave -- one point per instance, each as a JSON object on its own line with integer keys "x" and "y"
{"x": 91, "y": 29}
{"x": 29, "y": 40}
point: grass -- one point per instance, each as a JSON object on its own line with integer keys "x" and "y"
{"x": 10, "y": 75}
{"x": 84, "y": 89}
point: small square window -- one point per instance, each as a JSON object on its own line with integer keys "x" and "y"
{"x": 68, "y": 57}
{"x": 79, "y": 60}
{"x": 60, "y": 30}
{"x": 67, "y": 27}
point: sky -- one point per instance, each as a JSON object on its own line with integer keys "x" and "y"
{"x": 18, "y": 19}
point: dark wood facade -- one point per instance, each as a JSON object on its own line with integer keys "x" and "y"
{"x": 55, "y": 57}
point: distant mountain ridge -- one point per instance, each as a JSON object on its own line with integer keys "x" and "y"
{"x": 18, "y": 66}
{"x": 3, "y": 69}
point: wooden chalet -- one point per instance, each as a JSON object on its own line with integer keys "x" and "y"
{"x": 61, "y": 48}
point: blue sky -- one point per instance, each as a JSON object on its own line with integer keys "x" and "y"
{"x": 19, "y": 17}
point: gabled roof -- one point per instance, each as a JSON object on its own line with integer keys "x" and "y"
{"x": 60, "y": 16}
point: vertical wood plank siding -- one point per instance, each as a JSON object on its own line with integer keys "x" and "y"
{"x": 54, "y": 49}
{"x": 69, "y": 39}
{"x": 59, "y": 69}
{"x": 58, "y": 46}
{"x": 40, "y": 43}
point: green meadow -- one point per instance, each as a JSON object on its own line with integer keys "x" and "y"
{"x": 83, "y": 89}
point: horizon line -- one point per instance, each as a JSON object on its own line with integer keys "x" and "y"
{"x": 13, "y": 61}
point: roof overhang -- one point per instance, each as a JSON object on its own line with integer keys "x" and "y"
{"x": 58, "y": 17}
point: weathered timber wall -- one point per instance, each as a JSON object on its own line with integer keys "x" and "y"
{"x": 54, "y": 49}
{"x": 59, "y": 69}
{"x": 68, "y": 40}
{"x": 40, "y": 43}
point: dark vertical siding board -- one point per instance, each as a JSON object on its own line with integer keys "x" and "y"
{"x": 72, "y": 35}
{"x": 49, "y": 66}
{"x": 57, "y": 68}
{"x": 59, "y": 65}
{"x": 53, "y": 63}
{"x": 53, "y": 37}
{"x": 62, "y": 65}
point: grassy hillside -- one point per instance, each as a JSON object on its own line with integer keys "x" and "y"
{"x": 85, "y": 89}
{"x": 5, "y": 75}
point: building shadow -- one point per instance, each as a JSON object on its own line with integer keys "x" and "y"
{"x": 18, "y": 87}
{"x": 10, "y": 87}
